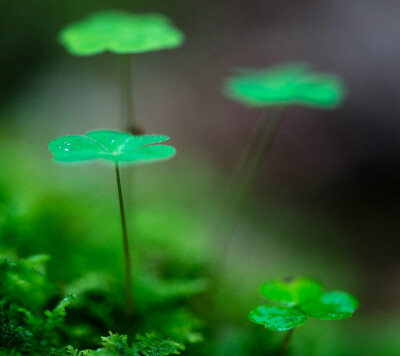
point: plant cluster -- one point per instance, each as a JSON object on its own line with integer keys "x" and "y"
{"x": 40, "y": 317}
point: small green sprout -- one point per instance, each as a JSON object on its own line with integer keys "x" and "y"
{"x": 298, "y": 299}
{"x": 120, "y": 32}
{"x": 118, "y": 147}
{"x": 334, "y": 305}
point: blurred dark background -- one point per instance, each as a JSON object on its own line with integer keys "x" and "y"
{"x": 331, "y": 184}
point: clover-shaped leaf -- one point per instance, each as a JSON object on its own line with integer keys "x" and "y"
{"x": 300, "y": 298}
{"x": 284, "y": 85}
{"x": 110, "y": 145}
{"x": 120, "y": 32}
{"x": 291, "y": 292}
{"x": 332, "y": 305}
{"x": 277, "y": 318}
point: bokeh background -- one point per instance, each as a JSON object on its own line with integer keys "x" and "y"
{"x": 325, "y": 203}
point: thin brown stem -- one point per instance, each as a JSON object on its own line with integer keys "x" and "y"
{"x": 125, "y": 240}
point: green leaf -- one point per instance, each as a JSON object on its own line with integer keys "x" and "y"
{"x": 332, "y": 305}
{"x": 120, "y": 32}
{"x": 277, "y": 318}
{"x": 291, "y": 292}
{"x": 289, "y": 84}
{"x": 110, "y": 145}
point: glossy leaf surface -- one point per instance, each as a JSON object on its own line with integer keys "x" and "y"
{"x": 277, "y": 318}
{"x": 120, "y": 32}
{"x": 332, "y": 305}
{"x": 290, "y": 84}
{"x": 291, "y": 292}
{"x": 110, "y": 145}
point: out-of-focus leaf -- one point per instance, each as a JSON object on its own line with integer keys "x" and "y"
{"x": 151, "y": 291}
{"x": 178, "y": 324}
{"x": 120, "y": 32}
{"x": 291, "y": 292}
{"x": 332, "y": 305}
{"x": 289, "y": 84}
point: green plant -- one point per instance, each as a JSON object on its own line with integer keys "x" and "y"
{"x": 120, "y": 148}
{"x": 124, "y": 34}
{"x": 298, "y": 299}
{"x": 33, "y": 318}
{"x": 26, "y": 325}
{"x": 147, "y": 345}
{"x": 275, "y": 90}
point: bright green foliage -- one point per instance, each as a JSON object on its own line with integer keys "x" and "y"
{"x": 152, "y": 345}
{"x": 332, "y": 305}
{"x": 277, "y": 318}
{"x": 147, "y": 345}
{"x": 291, "y": 292}
{"x": 289, "y": 84}
{"x": 14, "y": 335}
{"x": 110, "y": 145}
{"x": 120, "y": 32}
{"x": 24, "y": 291}
{"x": 115, "y": 344}
{"x": 24, "y": 282}
{"x": 299, "y": 298}
{"x": 42, "y": 330}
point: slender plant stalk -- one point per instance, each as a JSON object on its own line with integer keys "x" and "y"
{"x": 255, "y": 152}
{"x": 127, "y": 116}
{"x": 125, "y": 79}
{"x": 127, "y": 256}
{"x": 246, "y": 171}
{"x": 285, "y": 343}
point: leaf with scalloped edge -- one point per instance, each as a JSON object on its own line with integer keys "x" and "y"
{"x": 277, "y": 318}
{"x": 291, "y": 291}
{"x": 333, "y": 305}
{"x": 111, "y": 145}
{"x": 120, "y": 32}
{"x": 288, "y": 84}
